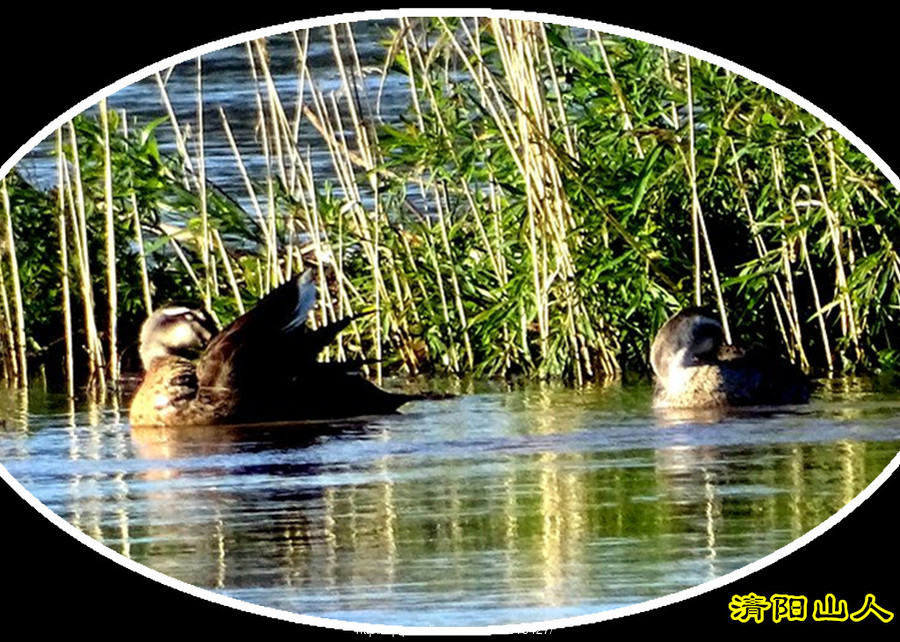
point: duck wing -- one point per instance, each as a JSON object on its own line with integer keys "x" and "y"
{"x": 264, "y": 344}
{"x": 267, "y": 360}
{"x": 327, "y": 390}
{"x": 765, "y": 378}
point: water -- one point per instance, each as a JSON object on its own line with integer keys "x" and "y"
{"x": 229, "y": 88}
{"x": 495, "y": 507}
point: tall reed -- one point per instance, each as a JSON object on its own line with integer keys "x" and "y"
{"x": 78, "y": 217}
{"x": 21, "y": 363}
{"x": 546, "y": 199}
{"x": 111, "y": 281}
{"x": 64, "y": 272}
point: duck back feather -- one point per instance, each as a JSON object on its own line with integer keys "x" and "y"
{"x": 695, "y": 368}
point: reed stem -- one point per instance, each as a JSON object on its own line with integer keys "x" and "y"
{"x": 697, "y": 219}
{"x": 64, "y": 270}
{"x": 78, "y": 213}
{"x": 22, "y": 363}
{"x": 111, "y": 281}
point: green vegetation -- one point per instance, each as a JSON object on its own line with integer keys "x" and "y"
{"x": 548, "y": 199}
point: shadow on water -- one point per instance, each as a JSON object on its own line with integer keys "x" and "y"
{"x": 679, "y": 416}
{"x": 171, "y": 442}
{"x": 232, "y": 452}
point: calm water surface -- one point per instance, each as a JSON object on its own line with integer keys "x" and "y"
{"x": 494, "y": 507}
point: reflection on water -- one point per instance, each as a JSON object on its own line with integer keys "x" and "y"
{"x": 494, "y": 507}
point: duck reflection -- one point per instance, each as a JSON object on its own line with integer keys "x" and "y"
{"x": 225, "y": 505}
{"x": 163, "y": 443}
{"x": 677, "y": 416}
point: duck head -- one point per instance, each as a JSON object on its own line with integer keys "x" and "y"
{"x": 175, "y": 331}
{"x": 690, "y": 338}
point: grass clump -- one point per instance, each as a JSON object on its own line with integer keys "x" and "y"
{"x": 546, "y": 199}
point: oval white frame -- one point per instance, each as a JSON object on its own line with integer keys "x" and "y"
{"x": 421, "y": 630}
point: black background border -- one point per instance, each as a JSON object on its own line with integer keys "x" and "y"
{"x": 51, "y": 59}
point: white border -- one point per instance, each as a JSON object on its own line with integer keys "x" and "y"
{"x": 464, "y": 630}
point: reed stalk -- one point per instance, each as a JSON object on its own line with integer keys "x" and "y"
{"x": 549, "y": 215}
{"x": 805, "y": 256}
{"x": 271, "y": 127}
{"x": 295, "y": 175}
{"x": 520, "y": 112}
{"x": 698, "y": 222}
{"x": 273, "y": 275}
{"x": 620, "y": 96}
{"x": 229, "y": 272}
{"x": 777, "y": 299}
{"x": 278, "y": 147}
{"x": 248, "y": 184}
{"x": 111, "y": 281}
{"x": 321, "y": 246}
{"x": 78, "y": 216}
{"x": 22, "y": 369}
{"x": 670, "y": 81}
{"x": 180, "y": 143}
{"x": 490, "y": 95}
{"x": 302, "y": 81}
{"x": 847, "y": 316}
{"x": 205, "y": 254}
{"x": 64, "y": 270}
{"x": 441, "y": 222}
{"x": 786, "y": 253}
{"x": 192, "y": 274}
{"x": 138, "y": 231}
{"x": 791, "y": 335}
{"x": 454, "y": 279}
{"x": 10, "y": 355}
{"x": 364, "y": 141}
{"x": 439, "y": 210}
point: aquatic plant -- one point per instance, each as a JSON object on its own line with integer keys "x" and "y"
{"x": 546, "y": 200}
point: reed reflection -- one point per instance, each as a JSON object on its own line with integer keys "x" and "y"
{"x": 537, "y": 526}
{"x": 506, "y": 501}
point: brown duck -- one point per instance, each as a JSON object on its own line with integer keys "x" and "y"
{"x": 695, "y": 368}
{"x": 261, "y": 368}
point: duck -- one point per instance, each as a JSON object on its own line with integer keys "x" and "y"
{"x": 696, "y": 368}
{"x": 261, "y": 368}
